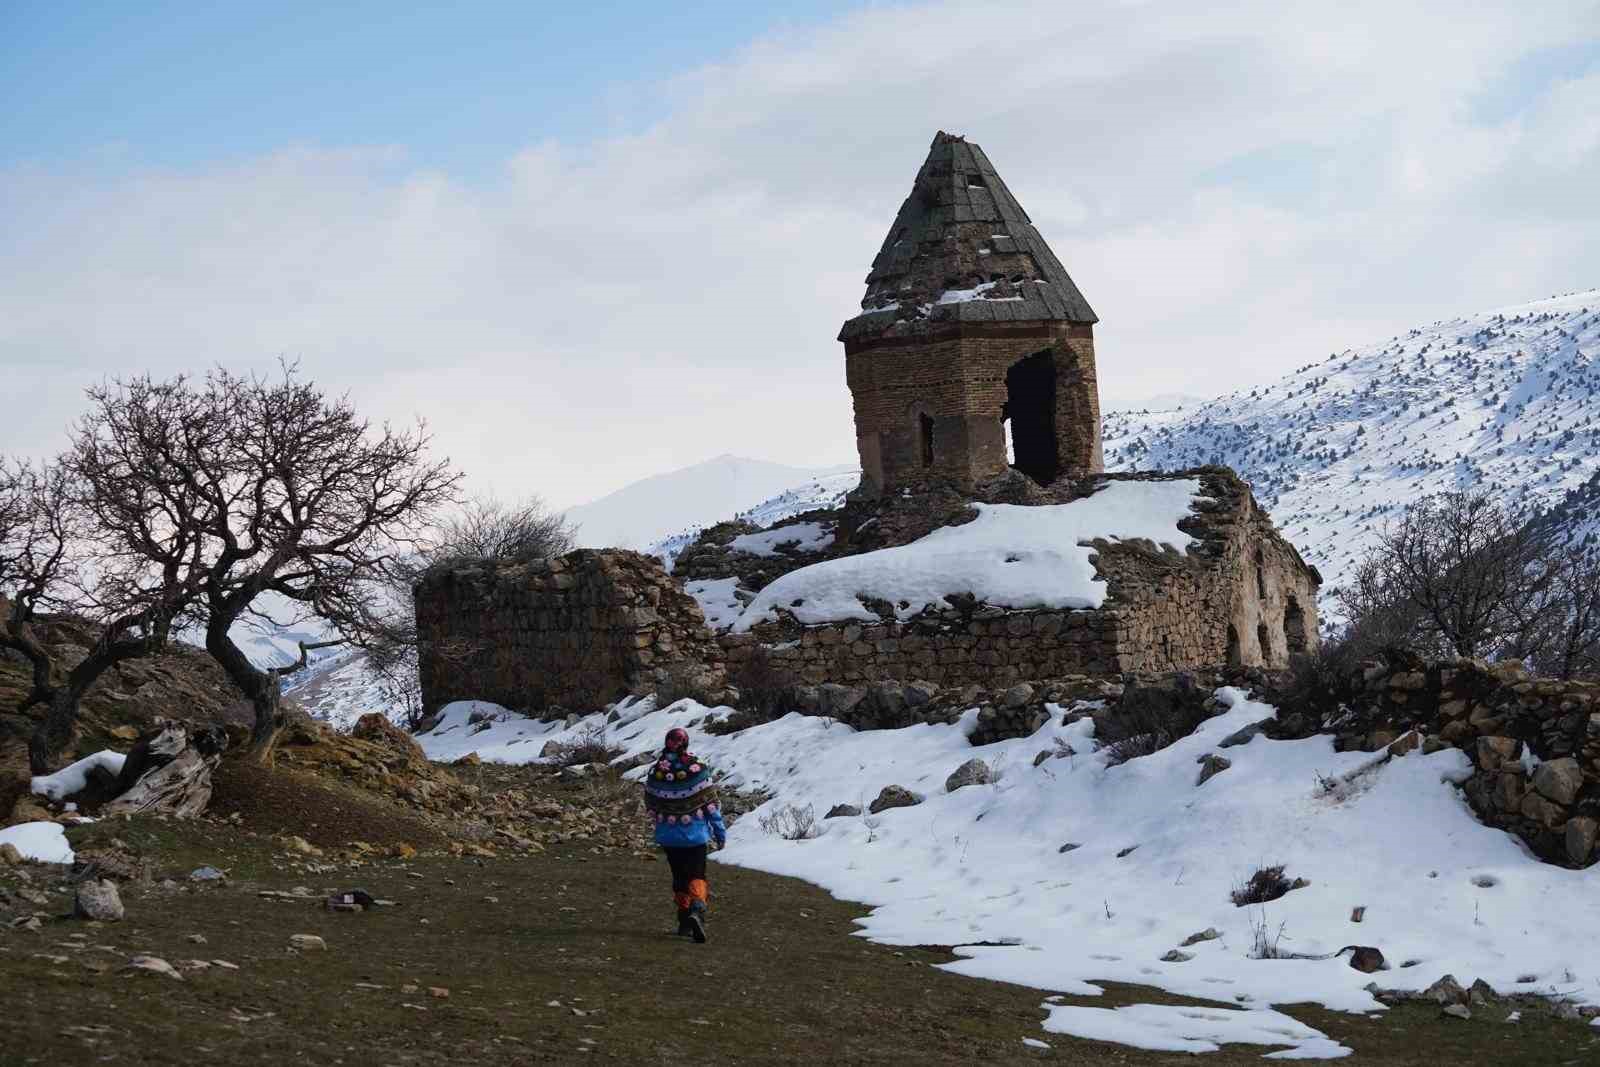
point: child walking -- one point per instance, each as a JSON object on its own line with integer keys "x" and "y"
{"x": 680, "y": 796}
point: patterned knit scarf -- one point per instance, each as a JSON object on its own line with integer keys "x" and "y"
{"x": 679, "y": 789}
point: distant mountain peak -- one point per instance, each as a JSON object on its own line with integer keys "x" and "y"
{"x": 672, "y": 503}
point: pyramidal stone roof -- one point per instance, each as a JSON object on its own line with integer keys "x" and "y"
{"x": 962, "y": 250}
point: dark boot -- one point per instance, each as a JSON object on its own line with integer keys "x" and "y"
{"x": 685, "y": 929}
{"x": 697, "y": 924}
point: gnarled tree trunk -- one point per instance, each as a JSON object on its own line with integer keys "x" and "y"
{"x": 169, "y": 771}
{"x": 59, "y": 726}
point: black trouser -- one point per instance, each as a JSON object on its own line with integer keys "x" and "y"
{"x": 688, "y": 874}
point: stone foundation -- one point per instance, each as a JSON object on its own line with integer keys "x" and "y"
{"x": 576, "y": 632}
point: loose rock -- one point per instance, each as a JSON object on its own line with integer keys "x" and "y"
{"x": 154, "y": 965}
{"x": 894, "y": 796}
{"x": 1210, "y": 766}
{"x": 98, "y": 900}
{"x": 307, "y": 943}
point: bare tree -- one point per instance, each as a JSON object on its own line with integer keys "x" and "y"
{"x": 1464, "y": 566}
{"x": 46, "y": 527}
{"x": 279, "y": 491}
{"x": 1558, "y": 628}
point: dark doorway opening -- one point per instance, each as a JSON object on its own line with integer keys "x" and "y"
{"x": 925, "y": 428}
{"x": 1264, "y": 639}
{"x": 1031, "y": 408}
{"x": 1294, "y": 628}
{"x": 1234, "y": 658}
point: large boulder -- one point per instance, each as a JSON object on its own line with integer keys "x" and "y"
{"x": 972, "y": 772}
{"x": 894, "y": 796}
{"x": 376, "y": 727}
{"x": 1559, "y": 779}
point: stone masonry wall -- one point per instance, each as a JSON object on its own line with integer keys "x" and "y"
{"x": 1534, "y": 743}
{"x": 958, "y": 378}
{"x": 574, "y": 632}
{"x": 1240, "y": 596}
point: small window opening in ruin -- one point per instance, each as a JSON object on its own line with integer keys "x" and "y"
{"x": 974, "y": 181}
{"x": 1265, "y": 641}
{"x": 1234, "y": 657}
{"x": 1294, "y": 627}
{"x": 1029, "y": 415}
{"x": 925, "y": 426}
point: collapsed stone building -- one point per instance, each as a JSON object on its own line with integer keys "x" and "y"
{"x": 971, "y": 368}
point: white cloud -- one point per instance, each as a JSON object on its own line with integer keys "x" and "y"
{"x": 601, "y": 311}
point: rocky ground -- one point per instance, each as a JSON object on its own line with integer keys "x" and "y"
{"x": 553, "y": 951}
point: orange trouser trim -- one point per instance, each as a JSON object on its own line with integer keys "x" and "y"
{"x": 699, "y": 892}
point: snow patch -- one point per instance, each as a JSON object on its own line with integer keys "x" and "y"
{"x": 800, "y": 536}
{"x": 1193, "y": 1028}
{"x": 74, "y": 778}
{"x": 42, "y": 842}
{"x": 717, "y": 601}
{"x": 1011, "y": 555}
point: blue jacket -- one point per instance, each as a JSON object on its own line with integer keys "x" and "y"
{"x": 699, "y": 831}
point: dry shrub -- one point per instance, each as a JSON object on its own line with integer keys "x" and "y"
{"x": 1265, "y": 942}
{"x": 589, "y": 746}
{"x": 1266, "y": 884}
{"x": 791, "y": 823}
{"x": 1147, "y": 719}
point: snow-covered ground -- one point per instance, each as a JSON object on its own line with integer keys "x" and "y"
{"x": 800, "y": 536}
{"x": 1506, "y": 400}
{"x": 41, "y": 842}
{"x": 1155, "y": 860}
{"x": 1010, "y": 556}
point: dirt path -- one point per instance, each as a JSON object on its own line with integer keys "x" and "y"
{"x": 560, "y": 958}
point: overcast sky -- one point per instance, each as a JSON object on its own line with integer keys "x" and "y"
{"x": 595, "y": 243}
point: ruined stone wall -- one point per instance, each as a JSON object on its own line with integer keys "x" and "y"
{"x": 1499, "y": 716}
{"x": 958, "y": 378}
{"x": 710, "y": 556}
{"x": 573, "y": 632}
{"x": 1240, "y": 596}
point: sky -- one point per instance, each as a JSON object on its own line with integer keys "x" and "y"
{"x": 589, "y": 243}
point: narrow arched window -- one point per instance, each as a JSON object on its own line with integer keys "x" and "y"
{"x": 925, "y": 427}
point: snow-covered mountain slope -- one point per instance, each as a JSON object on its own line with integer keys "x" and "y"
{"x": 1507, "y": 401}
{"x": 817, "y": 491}
{"x": 678, "y": 503}
{"x": 338, "y": 688}
{"x": 1068, "y": 871}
